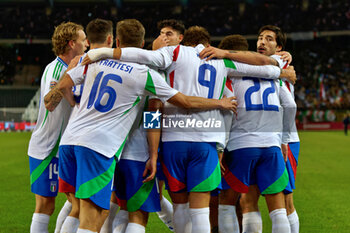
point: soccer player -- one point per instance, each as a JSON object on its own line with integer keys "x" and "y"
{"x": 109, "y": 105}
{"x": 259, "y": 103}
{"x": 185, "y": 153}
{"x": 136, "y": 146}
{"x": 269, "y": 37}
{"x": 68, "y": 41}
{"x": 271, "y": 40}
{"x": 228, "y": 198}
{"x": 346, "y": 122}
{"x": 99, "y": 34}
{"x": 136, "y": 193}
{"x": 173, "y": 32}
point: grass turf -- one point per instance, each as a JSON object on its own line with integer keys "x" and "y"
{"x": 320, "y": 198}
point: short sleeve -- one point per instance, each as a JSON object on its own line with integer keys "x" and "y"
{"x": 281, "y": 63}
{"x": 52, "y": 75}
{"x": 156, "y": 86}
{"x": 77, "y": 74}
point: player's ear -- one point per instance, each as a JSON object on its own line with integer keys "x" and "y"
{"x": 278, "y": 48}
{"x": 88, "y": 42}
{"x": 117, "y": 41}
{"x": 143, "y": 44}
{"x": 71, "y": 43}
{"x": 110, "y": 40}
{"x": 181, "y": 37}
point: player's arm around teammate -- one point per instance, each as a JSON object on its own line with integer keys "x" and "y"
{"x": 63, "y": 89}
{"x": 99, "y": 34}
{"x": 270, "y": 40}
{"x": 68, "y": 41}
{"x": 248, "y": 57}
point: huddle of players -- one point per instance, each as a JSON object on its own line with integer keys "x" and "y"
{"x": 183, "y": 155}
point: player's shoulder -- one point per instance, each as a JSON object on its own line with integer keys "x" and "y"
{"x": 278, "y": 58}
{"x": 196, "y": 50}
{"x": 55, "y": 68}
{"x": 57, "y": 64}
{"x": 131, "y": 68}
{"x": 199, "y": 48}
{"x": 141, "y": 68}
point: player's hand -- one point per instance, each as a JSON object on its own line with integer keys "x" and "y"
{"x": 212, "y": 52}
{"x": 284, "y": 148}
{"x": 289, "y": 74}
{"x": 86, "y": 60}
{"x": 161, "y": 41}
{"x": 285, "y": 56}
{"x": 150, "y": 169}
{"x": 222, "y": 168}
{"x": 229, "y": 103}
{"x": 52, "y": 99}
{"x": 74, "y": 62}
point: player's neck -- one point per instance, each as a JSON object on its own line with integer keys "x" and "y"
{"x": 66, "y": 57}
{"x": 97, "y": 46}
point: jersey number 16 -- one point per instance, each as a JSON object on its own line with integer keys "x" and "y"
{"x": 104, "y": 89}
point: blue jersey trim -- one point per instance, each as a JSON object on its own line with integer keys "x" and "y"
{"x": 60, "y": 60}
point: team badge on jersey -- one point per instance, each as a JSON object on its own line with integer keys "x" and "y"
{"x": 52, "y": 84}
{"x": 53, "y": 186}
{"x": 151, "y": 120}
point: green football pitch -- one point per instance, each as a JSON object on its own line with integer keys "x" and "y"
{"x": 321, "y": 198}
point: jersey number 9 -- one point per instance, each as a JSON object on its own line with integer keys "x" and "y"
{"x": 211, "y": 83}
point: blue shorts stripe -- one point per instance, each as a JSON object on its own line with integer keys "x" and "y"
{"x": 79, "y": 165}
{"x": 128, "y": 183}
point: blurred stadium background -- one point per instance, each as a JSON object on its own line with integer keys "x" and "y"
{"x": 318, "y": 38}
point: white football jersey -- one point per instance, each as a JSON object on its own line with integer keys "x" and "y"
{"x": 136, "y": 146}
{"x": 110, "y": 103}
{"x": 293, "y": 137}
{"x": 50, "y": 125}
{"x": 186, "y": 72}
{"x": 78, "y": 89}
{"x": 260, "y": 117}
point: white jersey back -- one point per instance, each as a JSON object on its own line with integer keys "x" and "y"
{"x": 77, "y": 92}
{"x": 193, "y": 76}
{"x": 110, "y": 103}
{"x": 50, "y": 125}
{"x": 259, "y": 115}
{"x": 136, "y": 146}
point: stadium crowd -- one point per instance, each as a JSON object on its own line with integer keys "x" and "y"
{"x": 315, "y": 63}
{"x": 312, "y": 61}
{"x": 323, "y": 74}
{"x": 239, "y": 17}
